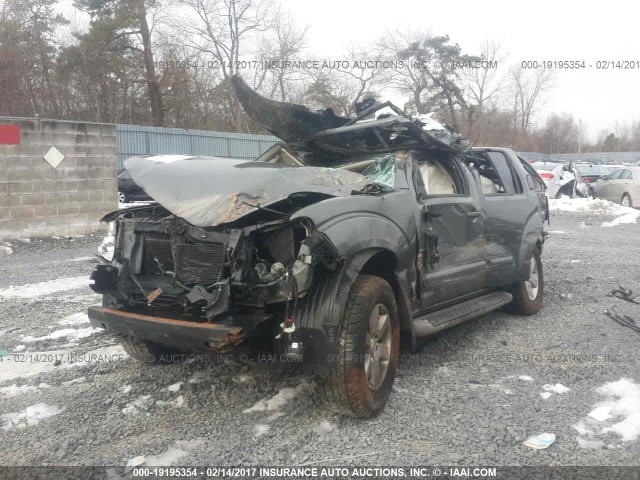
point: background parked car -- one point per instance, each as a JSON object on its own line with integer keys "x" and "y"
{"x": 620, "y": 186}
{"x": 129, "y": 191}
{"x": 561, "y": 179}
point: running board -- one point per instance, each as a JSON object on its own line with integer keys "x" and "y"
{"x": 450, "y": 316}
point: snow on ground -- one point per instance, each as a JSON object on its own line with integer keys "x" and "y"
{"x": 168, "y": 457}
{"x": 15, "y": 390}
{"x": 557, "y": 388}
{"x": 70, "y": 334}
{"x": 44, "y": 289}
{"x": 29, "y": 416}
{"x": 15, "y": 366}
{"x": 142, "y": 403}
{"x": 79, "y": 318}
{"x": 525, "y": 378}
{"x": 618, "y": 413}
{"x": 279, "y": 400}
{"x": 325, "y": 426}
{"x": 5, "y": 249}
{"x": 596, "y": 206}
{"x": 175, "y": 387}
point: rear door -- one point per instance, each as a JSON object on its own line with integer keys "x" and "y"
{"x": 453, "y": 225}
{"x": 506, "y": 213}
{"x": 616, "y": 184}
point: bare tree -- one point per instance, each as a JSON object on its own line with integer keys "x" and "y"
{"x": 276, "y": 50}
{"x": 560, "y": 134}
{"x": 483, "y": 86}
{"x": 529, "y": 90}
{"x": 220, "y": 29}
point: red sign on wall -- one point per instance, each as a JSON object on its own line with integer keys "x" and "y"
{"x": 9, "y": 135}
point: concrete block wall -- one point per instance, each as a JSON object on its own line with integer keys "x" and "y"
{"x": 37, "y": 199}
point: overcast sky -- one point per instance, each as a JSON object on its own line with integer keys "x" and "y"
{"x": 541, "y": 30}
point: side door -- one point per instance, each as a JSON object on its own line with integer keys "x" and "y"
{"x": 606, "y": 188}
{"x": 452, "y": 225}
{"x": 620, "y": 185}
{"x": 507, "y": 209}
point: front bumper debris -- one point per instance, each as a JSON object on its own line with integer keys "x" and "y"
{"x": 175, "y": 333}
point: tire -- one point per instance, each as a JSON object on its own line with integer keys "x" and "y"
{"x": 625, "y": 201}
{"x": 147, "y": 352}
{"x": 123, "y": 197}
{"x": 527, "y": 297}
{"x": 352, "y": 387}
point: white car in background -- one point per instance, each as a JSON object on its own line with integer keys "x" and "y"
{"x": 561, "y": 179}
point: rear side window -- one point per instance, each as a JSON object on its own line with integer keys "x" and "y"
{"x": 497, "y": 174}
{"x": 533, "y": 179}
{"x": 626, "y": 175}
{"x": 615, "y": 174}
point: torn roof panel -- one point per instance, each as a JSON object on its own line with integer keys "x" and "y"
{"x": 323, "y": 138}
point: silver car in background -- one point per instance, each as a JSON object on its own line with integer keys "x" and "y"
{"x": 620, "y": 186}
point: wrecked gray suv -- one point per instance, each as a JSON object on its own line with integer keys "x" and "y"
{"x": 333, "y": 248}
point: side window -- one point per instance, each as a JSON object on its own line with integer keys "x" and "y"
{"x": 440, "y": 177}
{"x": 614, "y": 175}
{"x": 533, "y": 179}
{"x": 625, "y": 175}
{"x": 497, "y": 175}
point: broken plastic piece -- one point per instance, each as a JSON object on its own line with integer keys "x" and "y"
{"x": 541, "y": 441}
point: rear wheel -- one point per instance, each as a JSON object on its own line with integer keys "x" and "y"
{"x": 626, "y": 200}
{"x": 362, "y": 376}
{"x": 528, "y": 295}
{"x": 148, "y": 352}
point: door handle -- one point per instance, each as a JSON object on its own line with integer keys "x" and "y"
{"x": 474, "y": 214}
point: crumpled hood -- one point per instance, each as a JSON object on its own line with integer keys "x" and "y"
{"x": 208, "y": 191}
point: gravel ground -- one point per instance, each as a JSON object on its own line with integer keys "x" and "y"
{"x": 470, "y": 396}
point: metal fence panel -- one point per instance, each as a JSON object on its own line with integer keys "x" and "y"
{"x": 142, "y": 140}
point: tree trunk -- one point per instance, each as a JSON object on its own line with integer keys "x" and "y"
{"x": 155, "y": 95}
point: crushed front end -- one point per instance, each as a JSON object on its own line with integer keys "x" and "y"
{"x": 208, "y": 288}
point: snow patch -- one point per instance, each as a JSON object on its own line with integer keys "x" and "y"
{"x": 43, "y": 289}
{"x": 142, "y": 403}
{"x": 11, "y": 369}
{"x": 260, "y": 430}
{"x": 15, "y": 390}
{"x": 629, "y": 217}
{"x": 325, "y": 427}
{"x": 79, "y": 318}
{"x": 618, "y": 413}
{"x": 557, "y": 388}
{"x": 126, "y": 389}
{"x": 525, "y": 378}
{"x": 279, "y": 400}
{"x": 5, "y": 250}
{"x": 545, "y": 395}
{"x": 168, "y": 457}
{"x": 175, "y": 387}
{"x": 31, "y": 415}
{"x": 596, "y": 206}
{"x": 71, "y": 334}
{"x": 179, "y": 402}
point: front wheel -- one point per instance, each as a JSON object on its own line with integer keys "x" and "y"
{"x": 123, "y": 197}
{"x": 626, "y": 200}
{"x": 528, "y": 295}
{"x": 362, "y": 376}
